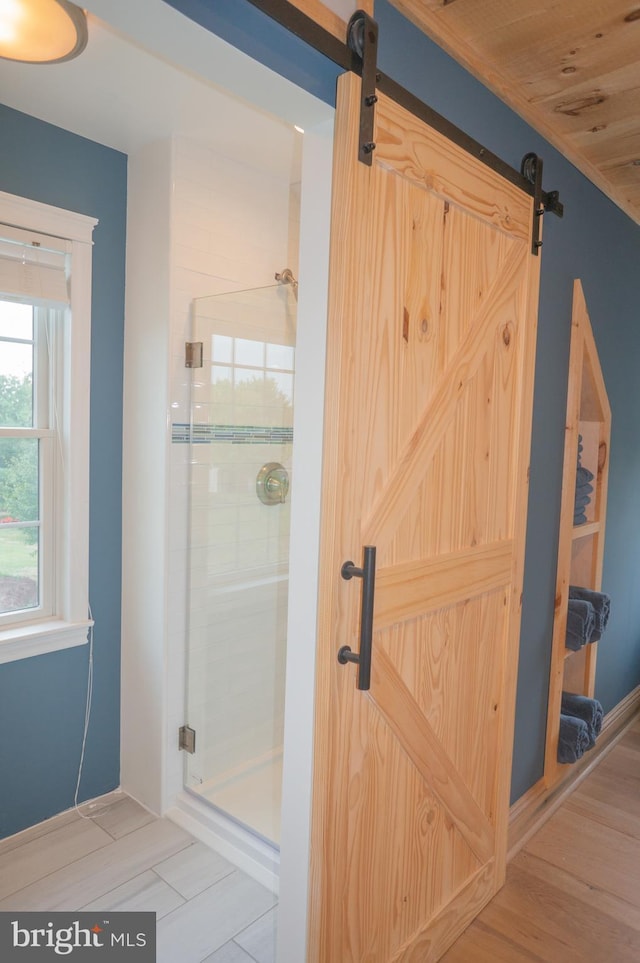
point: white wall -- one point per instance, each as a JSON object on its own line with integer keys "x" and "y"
{"x": 146, "y": 391}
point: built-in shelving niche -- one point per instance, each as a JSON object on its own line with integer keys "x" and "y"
{"x": 581, "y": 547}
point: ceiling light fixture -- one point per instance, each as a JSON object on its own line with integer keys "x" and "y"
{"x": 41, "y": 31}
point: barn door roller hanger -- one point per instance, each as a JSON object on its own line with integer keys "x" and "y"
{"x": 362, "y": 39}
{"x": 359, "y": 54}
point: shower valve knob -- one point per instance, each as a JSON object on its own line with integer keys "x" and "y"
{"x": 272, "y": 483}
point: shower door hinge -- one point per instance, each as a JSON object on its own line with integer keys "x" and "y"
{"x": 193, "y": 354}
{"x": 187, "y": 738}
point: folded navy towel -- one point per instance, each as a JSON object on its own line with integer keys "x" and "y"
{"x": 601, "y": 605}
{"x": 583, "y": 475}
{"x": 584, "y": 488}
{"x": 573, "y": 739}
{"x": 582, "y": 707}
{"x": 583, "y": 491}
{"x": 581, "y": 621}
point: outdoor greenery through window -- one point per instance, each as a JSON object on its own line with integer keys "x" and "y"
{"x": 24, "y": 441}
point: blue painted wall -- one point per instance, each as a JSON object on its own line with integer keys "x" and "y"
{"x": 595, "y": 242}
{"x": 42, "y": 699}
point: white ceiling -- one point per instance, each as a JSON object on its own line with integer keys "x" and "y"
{"x": 123, "y": 94}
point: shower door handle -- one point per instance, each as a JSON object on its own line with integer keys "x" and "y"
{"x": 368, "y": 575}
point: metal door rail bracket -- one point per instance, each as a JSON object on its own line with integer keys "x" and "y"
{"x": 362, "y": 39}
{"x": 342, "y": 54}
{"x": 531, "y": 169}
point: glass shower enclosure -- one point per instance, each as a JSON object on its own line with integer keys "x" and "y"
{"x": 241, "y": 439}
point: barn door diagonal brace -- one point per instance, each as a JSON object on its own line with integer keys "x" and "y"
{"x": 359, "y": 54}
{"x": 362, "y": 38}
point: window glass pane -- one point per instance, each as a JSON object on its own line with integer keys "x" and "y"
{"x": 16, "y": 365}
{"x": 19, "y": 480}
{"x": 16, "y": 320}
{"x": 218, "y": 374}
{"x": 221, "y": 394}
{"x": 248, "y": 376}
{"x": 280, "y": 356}
{"x": 282, "y": 387}
{"x": 16, "y": 385}
{"x": 249, "y": 352}
{"x": 222, "y": 348}
{"x": 18, "y": 568}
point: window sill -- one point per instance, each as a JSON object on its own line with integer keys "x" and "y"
{"x": 37, "y": 638}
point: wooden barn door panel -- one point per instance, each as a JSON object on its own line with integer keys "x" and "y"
{"x": 433, "y": 306}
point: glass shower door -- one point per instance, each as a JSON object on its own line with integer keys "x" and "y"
{"x": 241, "y": 440}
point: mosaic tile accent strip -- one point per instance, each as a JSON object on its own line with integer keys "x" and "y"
{"x": 182, "y": 433}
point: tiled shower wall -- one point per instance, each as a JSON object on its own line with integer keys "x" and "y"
{"x": 233, "y": 225}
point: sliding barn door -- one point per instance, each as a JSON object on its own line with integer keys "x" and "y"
{"x": 433, "y": 302}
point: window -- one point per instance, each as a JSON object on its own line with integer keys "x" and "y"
{"x": 26, "y": 454}
{"x": 45, "y": 288}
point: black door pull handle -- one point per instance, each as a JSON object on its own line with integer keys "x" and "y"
{"x": 368, "y": 575}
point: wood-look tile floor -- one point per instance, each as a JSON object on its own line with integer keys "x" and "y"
{"x": 573, "y": 892}
{"x": 124, "y": 858}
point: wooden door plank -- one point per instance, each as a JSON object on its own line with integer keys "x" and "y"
{"x": 410, "y": 589}
{"x": 348, "y": 198}
{"x": 451, "y": 662}
{"x": 404, "y": 716}
{"x": 406, "y": 145}
{"x": 428, "y": 945}
{"x": 408, "y": 792}
{"x": 405, "y": 479}
{"x": 519, "y": 473}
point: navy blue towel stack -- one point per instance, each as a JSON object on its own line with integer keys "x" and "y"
{"x": 600, "y": 603}
{"x": 584, "y": 489}
{"x": 582, "y": 707}
{"x": 573, "y": 740}
{"x": 581, "y": 623}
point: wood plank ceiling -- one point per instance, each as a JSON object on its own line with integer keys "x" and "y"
{"x": 571, "y": 68}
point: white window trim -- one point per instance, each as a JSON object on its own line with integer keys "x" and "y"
{"x": 71, "y": 624}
